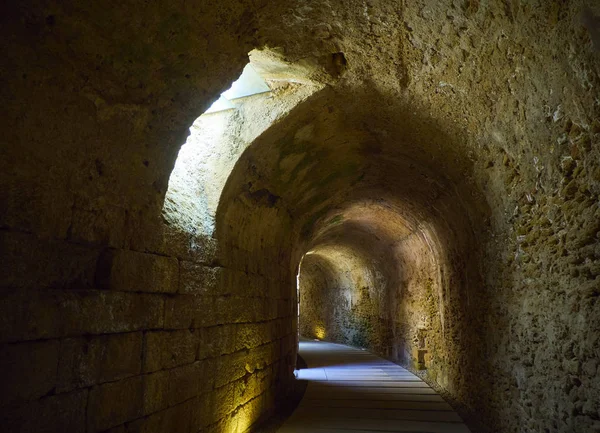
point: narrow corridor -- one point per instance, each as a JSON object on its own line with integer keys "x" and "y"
{"x": 352, "y": 390}
{"x": 188, "y": 186}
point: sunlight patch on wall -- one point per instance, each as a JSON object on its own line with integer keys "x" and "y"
{"x": 249, "y": 83}
{"x": 219, "y": 137}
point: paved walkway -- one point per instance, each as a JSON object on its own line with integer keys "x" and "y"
{"x": 352, "y": 390}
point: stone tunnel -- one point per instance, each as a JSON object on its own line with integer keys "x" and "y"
{"x": 419, "y": 179}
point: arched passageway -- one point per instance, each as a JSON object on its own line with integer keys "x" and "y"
{"x": 440, "y": 179}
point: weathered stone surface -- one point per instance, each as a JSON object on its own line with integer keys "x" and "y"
{"x": 32, "y": 263}
{"x": 53, "y": 414}
{"x": 246, "y": 390}
{"x": 217, "y": 340}
{"x": 189, "y": 311}
{"x": 199, "y": 279}
{"x": 27, "y": 316}
{"x": 214, "y": 406}
{"x": 95, "y": 360}
{"x": 131, "y": 271}
{"x": 169, "y": 349}
{"x": 114, "y": 403}
{"x": 451, "y": 153}
{"x": 245, "y": 362}
{"x": 167, "y": 388}
{"x": 27, "y": 370}
{"x": 176, "y": 419}
{"x": 99, "y": 223}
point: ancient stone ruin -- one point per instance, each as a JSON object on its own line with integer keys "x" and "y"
{"x": 187, "y": 187}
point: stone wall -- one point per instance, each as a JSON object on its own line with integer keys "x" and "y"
{"x": 118, "y": 336}
{"x": 111, "y": 320}
{"x": 473, "y": 125}
{"x": 515, "y": 86}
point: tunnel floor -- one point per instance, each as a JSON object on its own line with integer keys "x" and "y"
{"x": 352, "y": 390}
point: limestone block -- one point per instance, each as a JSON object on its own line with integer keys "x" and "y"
{"x": 225, "y": 424}
{"x": 29, "y": 316}
{"x": 176, "y": 419}
{"x": 266, "y": 309}
{"x": 252, "y": 285}
{"x": 189, "y": 311}
{"x": 217, "y": 340}
{"x": 284, "y": 308}
{"x": 131, "y": 271}
{"x": 95, "y": 360}
{"x": 35, "y": 315}
{"x": 203, "y": 249}
{"x": 27, "y": 370}
{"x": 114, "y": 403}
{"x": 230, "y": 368}
{"x": 107, "y": 312}
{"x": 56, "y": 413}
{"x": 199, "y": 279}
{"x": 214, "y": 406}
{"x": 99, "y": 223}
{"x": 169, "y": 349}
{"x": 235, "y": 309}
{"x": 32, "y": 263}
{"x": 253, "y": 386}
{"x": 224, "y": 401}
{"x": 169, "y": 387}
{"x": 238, "y": 364}
{"x": 254, "y": 334}
{"x": 25, "y": 198}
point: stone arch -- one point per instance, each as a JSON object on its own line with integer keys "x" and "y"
{"x": 483, "y": 117}
{"x": 286, "y": 202}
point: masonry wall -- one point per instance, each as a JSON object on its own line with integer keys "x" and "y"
{"x": 109, "y": 337}
{"x": 493, "y": 103}
{"x": 110, "y": 320}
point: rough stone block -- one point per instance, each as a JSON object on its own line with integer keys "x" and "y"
{"x": 54, "y": 414}
{"x": 169, "y": 349}
{"x": 252, "y": 285}
{"x": 98, "y": 312}
{"x": 29, "y": 315}
{"x": 284, "y": 307}
{"x": 214, "y": 406}
{"x": 156, "y": 391}
{"x": 216, "y": 341}
{"x": 94, "y": 360}
{"x": 235, "y": 309}
{"x": 225, "y": 424}
{"x": 199, "y": 279}
{"x": 24, "y": 198}
{"x": 254, "y": 334}
{"x": 250, "y": 413}
{"x": 176, "y": 419}
{"x": 203, "y": 249}
{"x": 32, "y": 263}
{"x": 131, "y": 271}
{"x": 169, "y": 387}
{"x": 120, "y": 429}
{"x": 253, "y": 386}
{"x": 51, "y": 314}
{"x": 237, "y": 365}
{"x": 189, "y": 311}
{"x": 27, "y": 370}
{"x": 114, "y": 403}
{"x": 99, "y": 223}
{"x": 154, "y": 235}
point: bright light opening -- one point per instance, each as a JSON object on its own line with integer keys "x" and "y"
{"x": 220, "y": 135}
{"x": 249, "y": 83}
